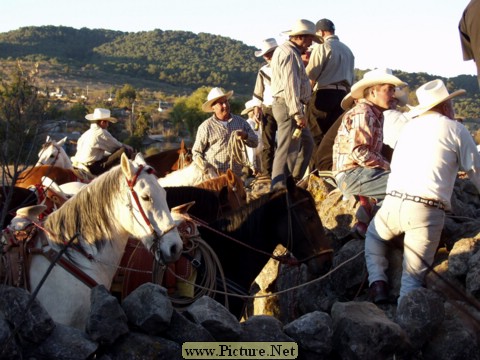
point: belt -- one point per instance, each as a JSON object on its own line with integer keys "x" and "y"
{"x": 418, "y": 199}
{"x": 332, "y": 87}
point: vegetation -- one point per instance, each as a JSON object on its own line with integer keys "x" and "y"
{"x": 133, "y": 73}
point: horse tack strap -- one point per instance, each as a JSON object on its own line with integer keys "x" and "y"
{"x": 51, "y": 255}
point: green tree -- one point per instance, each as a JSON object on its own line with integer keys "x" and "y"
{"x": 22, "y": 115}
{"x": 126, "y": 96}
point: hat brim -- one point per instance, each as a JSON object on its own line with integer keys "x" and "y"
{"x": 207, "y": 106}
{"x": 420, "y": 109}
{"x": 259, "y": 53}
{"x": 90, "y": 117}
{"x": 247, "y": 110}
{"x": 347, "y": 102}
{"x": 318, "y": 39}
{"x": 361, "y": 85}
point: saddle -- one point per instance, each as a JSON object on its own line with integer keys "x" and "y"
{"x": 16, "y": 247}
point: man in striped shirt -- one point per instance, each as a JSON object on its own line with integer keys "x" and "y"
{"x": 291, "y": 90}
{"x": 213, "y": 135}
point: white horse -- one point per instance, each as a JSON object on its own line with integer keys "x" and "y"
{"x": 190, "y": 175}
{"x": 52, "y": 153}
{"x": 126, "y": 201}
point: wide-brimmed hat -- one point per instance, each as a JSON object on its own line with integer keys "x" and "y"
{"x": 100, "y": 114}
{"x": 215, "y": 94}
{"x": 431, "y": 94}
{"x": 267, "y": 46}
{"x": 304, "y": 27}
{"x": 375, "y": 77}
{"x": 347, "y": 101}
{"x": 249, "y": 105}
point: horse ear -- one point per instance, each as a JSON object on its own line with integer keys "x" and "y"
{"x": 182, "y": 209}
{"x": 230, "y": 177}
{"x": 61, "y": 142}
{"x": 127, "y": 167}
{"x": 48, "y": 139}
{"x": 182, "y": 145}
{"x": 139, "y": 159}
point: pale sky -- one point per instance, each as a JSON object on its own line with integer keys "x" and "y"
{"x": 408, "y": 35}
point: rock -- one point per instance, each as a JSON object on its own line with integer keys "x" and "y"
{"x": 65, "y": 343}
{"x": 313, "y": 333}
{"x": 149, "y": 308}
{"x": 33, "y": 323}
{"x": 263, "y": 328}
{"x": 9, "y": 349}
{"x": 214, "y": 317}
{"x": 182, "y": 330}
{"x": 107, "y": 320}
{"x": 362, "y": 331}
{"x": 420, "y": 313}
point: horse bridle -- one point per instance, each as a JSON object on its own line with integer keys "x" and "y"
{"x": 56, "y": 156}
{"x": 131, "y": 185}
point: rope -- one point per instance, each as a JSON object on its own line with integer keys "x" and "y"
{"x": 238, "y": 151}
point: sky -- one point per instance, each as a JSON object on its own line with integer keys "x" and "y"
{"x": 407, "y": 35}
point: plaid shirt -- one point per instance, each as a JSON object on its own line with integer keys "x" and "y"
{"x": 359, "y": 139}
{"x": 211, "y": 142}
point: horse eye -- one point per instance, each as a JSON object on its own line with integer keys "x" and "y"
{"x": 146, "y": 198}
{"x": 52, "y": 155}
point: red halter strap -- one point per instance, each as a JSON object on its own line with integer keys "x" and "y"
{"x": 131, "y": 184}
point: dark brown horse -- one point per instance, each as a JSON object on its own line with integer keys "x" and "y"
{"x": 170, "y": 160}
{"x": 233, "y": 184}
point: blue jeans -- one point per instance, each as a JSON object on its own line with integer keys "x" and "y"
{"x": 363, "y": 181}
{"x": 422, "y": 226}
{"x": 292, "y": 156}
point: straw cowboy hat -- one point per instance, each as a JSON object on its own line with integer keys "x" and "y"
{"x": 347, "y": 102}
{"x": 304, "y": 27}
{"x": 215, "y": 94}
{"x": 249, "y": 105}
{"x": 431, "y": 94}
{"x": 375, "y": 77}
{"x": 267, "y": 46}
{"x": 101, "y": 114}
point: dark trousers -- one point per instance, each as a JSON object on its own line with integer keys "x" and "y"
{"x": 107, "y": 162}
{"x": 269, "y": 140}
{"x": 324, "y": 108}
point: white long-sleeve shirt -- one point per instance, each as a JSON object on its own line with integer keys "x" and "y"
{"x": 429, "y": 153}
{"x": 93, "y": 144}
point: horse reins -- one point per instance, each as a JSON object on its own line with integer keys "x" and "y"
{"x": 131, "y": 183}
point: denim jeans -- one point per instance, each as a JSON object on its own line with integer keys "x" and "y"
{"x": 292, "y": 156}
{"x": 363, "y": 181}
{"x": 422, "y": 226}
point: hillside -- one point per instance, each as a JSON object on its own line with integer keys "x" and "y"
{"x": 171, "y": 62}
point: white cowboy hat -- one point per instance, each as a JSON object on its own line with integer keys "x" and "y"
{"x": 215, "y": 94}
{"x": 304, "y": 27}
{"x": 101, "y": 114}
{"x": 375, "y": 77}
{"x": 431, "y": 94}
{"x": 249, "y": 105}
{"x": 267, "y": 46}
{"x": 347, "y": 102}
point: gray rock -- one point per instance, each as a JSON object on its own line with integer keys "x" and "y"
{"x": 263, "y": 328}
{"x": 313, "y": 333}
{"x": 363, "y": 331}
{"x": 107, "y": 320}
{"x": 460, "y": 254}
{"x": 214, "y": 317}
{"x": 33, "y": 324}
{"x": 9, "y": 349}
{"x": 420, "y": 313}
{"x": 149, "y": 308}
{"x": 144, "y": 347}
{"x": 181, "y": 330}
{"x": 65, "y": 343}
{"x": 472, "y": 281}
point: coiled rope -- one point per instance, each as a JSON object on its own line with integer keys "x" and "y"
{"x": 237, "y": 150}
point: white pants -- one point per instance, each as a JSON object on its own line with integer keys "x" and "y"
{"x": 422, "y": 226}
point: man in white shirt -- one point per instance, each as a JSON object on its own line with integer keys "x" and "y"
{"x": 430, "y": 151}
{"x": 97, "y": 149}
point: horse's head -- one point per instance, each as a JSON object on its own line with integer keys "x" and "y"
{"x": 52, "y": 153}
{"x": 153, "y": 223}
{"x": 309, "y": 242}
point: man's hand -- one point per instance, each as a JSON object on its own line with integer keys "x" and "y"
{"x": 241, "y": 134}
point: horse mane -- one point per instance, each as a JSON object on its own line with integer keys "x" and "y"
{"x": 90, "y": 212}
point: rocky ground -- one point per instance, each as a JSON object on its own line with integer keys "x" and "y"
{"x": 328, "y": 317}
